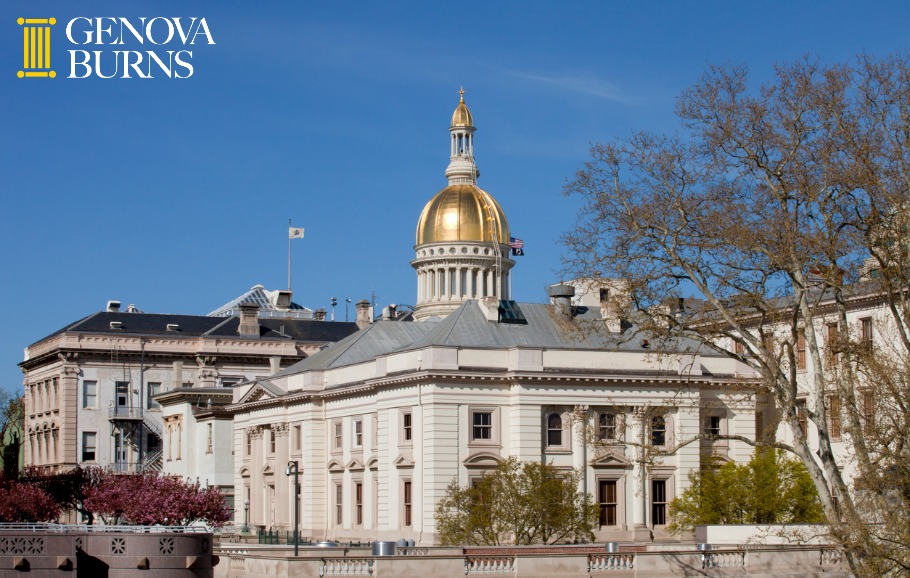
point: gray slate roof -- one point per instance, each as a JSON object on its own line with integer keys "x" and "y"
{"x": 468, "y": 327}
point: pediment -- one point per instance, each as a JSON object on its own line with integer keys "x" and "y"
{"x": 403, "y": 462}
{"x": 484, "y": 460}
{"x": 355, "y": 465}
{"x": 267, "y": 470}
{"x": 373, "y": 464}
{"x": 611, "y": 459}
{"x": 257, "y": 393}
{"x": 244, "y": 472}
{"x": 335, "y": 466}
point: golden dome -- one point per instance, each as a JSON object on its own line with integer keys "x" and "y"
{"x": 462, "y": 116}
{"x": 461, "y": 213}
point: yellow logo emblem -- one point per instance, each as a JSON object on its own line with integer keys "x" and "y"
{"x": 36, "y": 47}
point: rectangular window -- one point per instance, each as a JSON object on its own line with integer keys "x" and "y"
{"x": 339, "y": 504}
{"x": 249, "y": 444}
{"x": 208, "y": 449}
{"x": 606, "y": 426}
{"x": 358, "y": 503}
{"x": 554, "y": 430}
{"x": 88, "y": 446}
{"x": 834, "y": 417}
{"x": 89, "y": 394}
{"x": 801, "y": 351}
{"x": 358, "y": 433}
{"x": 338, "y": 435}
{"x": 831, "y": 341}
{"x": 712, "y": 425}
{"x": 298, "y": 438}
{"x": 868, "y": 411}
{"x": 866, "y": 325}
{"x": 658, "y": 431}
{"x": 407, "y": 503}
{"x": 802, "y": 417}
{"x": 154, "y": 388}
{"x": 759, "y": 426}
{"x": 658, "y": 502}
{"x": 271, "y": 441}
{"x": 482, "y": 426}
{"x": 406, "y": 427}
{"x": 606, "y": 498}
{"x": 122, "y": 390}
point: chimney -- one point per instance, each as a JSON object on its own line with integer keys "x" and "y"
{"x": 363, "y": 314}
{"x": 249, "y": 320}
{"x": 113, "y": 306}
{"x": 319, "y": 314}
{"x": 489, "y": 306}
{"x": 561, "y": 296}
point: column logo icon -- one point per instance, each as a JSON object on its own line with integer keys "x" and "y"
{"x": 36, "y": 47}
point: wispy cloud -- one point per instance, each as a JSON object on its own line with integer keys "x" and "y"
{"x": 583, "y": 84}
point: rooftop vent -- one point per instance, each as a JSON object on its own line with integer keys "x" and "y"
{"x": 113, "y": 306}
{"x": 173, "y": 327}
{"x": 283, "y": 299}
{"x": 116, "y": 325}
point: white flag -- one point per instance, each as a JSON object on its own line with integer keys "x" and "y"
{"x": 295, "y": 232}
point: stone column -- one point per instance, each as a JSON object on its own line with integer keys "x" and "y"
{"x": 257, "y": 513}
{"x": 637, "y": 430}
{"x": 284, "y": 517}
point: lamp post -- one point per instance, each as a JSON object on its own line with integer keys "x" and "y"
{"x": 334, "y": 302}
{"x": 246, "y": 516}
{"x": 346, "y": 303}
{"x": 292, "y": 469}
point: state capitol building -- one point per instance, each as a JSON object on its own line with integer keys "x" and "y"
{"x": 384, "y": 419}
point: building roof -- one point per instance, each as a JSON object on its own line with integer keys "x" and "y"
{"x": 267, "y": 301}
{"x": 205, "y": 326}
{"x": 468, "y": 327}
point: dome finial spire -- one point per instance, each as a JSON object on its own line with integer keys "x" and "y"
{"x": 461, "y": 94}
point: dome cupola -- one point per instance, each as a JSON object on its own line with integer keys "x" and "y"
{"x": 462, "y": 234}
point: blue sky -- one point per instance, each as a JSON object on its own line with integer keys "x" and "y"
{"x": 175, "y": 194}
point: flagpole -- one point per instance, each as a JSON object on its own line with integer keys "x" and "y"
{"x": 289, "y": 255}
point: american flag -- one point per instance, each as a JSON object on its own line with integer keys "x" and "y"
{"x": 517, "y": 246}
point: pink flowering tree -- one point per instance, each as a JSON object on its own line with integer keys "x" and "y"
{"x": 150, "y": 498}
{"x": 26, "y": 503}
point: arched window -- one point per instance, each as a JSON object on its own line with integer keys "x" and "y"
{"x": 658, "y": 431}
{"x": 554, "y": 430}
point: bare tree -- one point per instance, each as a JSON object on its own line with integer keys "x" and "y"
{"x": 780, "y": 210}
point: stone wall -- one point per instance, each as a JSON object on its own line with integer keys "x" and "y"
{"x": 60, "y": 551}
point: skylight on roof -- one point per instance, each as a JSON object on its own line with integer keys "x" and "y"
{"x": 510, "y": 312}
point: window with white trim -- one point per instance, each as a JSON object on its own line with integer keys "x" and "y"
{"x": 658, "y": 502}
{"x": 90, "y": 394}
{"x": 554, "y": 430}
{"x": 482, "y": 425}
{"x": 89, "y": 446}
{"x": 358, "y": 433}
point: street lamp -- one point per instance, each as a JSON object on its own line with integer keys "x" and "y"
{"x": 346, "y": 303}
{"x": 246, "y": 516}
{"x": 292, "y": 469}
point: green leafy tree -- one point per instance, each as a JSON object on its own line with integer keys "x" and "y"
{"x": 517, "y": 503}
{"x": 771, "y": 489}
